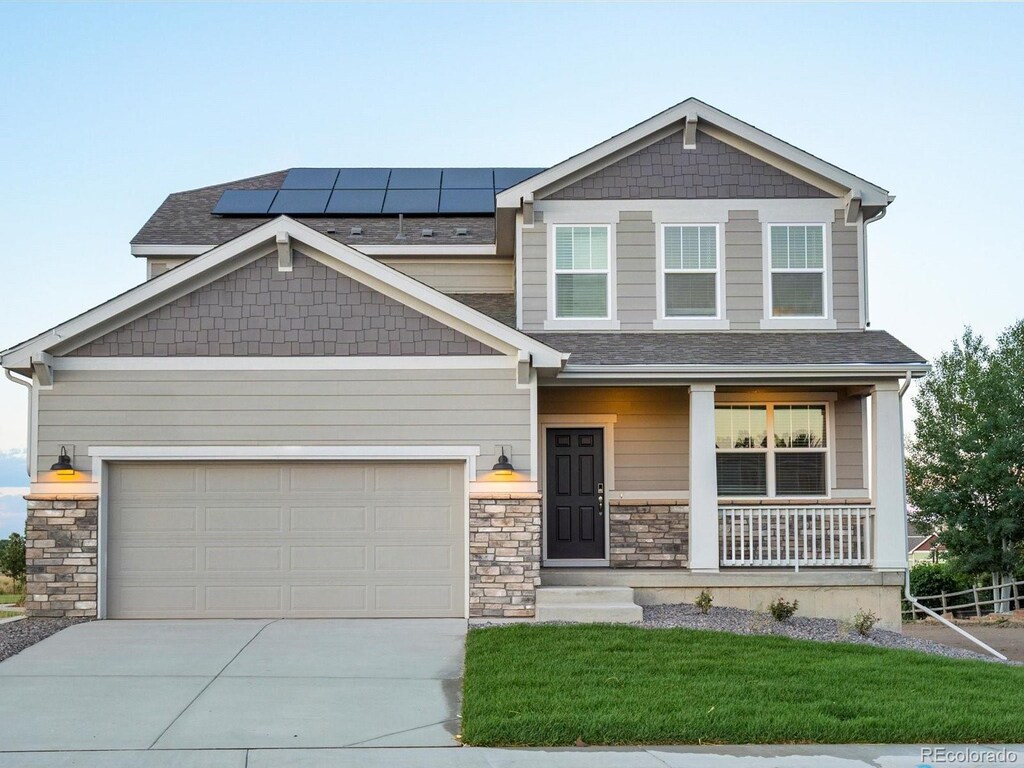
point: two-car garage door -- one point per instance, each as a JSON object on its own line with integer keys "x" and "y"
{"x": 285, "y": 539}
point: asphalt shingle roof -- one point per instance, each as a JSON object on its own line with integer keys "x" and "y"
{"x": 731, "y": 348}
{"x": 185, "y": 218}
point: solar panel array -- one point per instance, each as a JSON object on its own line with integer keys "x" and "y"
{"x": 375, "y": 191}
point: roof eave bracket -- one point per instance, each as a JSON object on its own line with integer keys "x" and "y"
{"x": 284, "y": 252}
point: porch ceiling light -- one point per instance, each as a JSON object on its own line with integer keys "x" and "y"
{"x": 63, "y": 466}
{"x": 504, "y": 466}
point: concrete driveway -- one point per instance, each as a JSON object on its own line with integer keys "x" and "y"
{"x": 234, "y": 684}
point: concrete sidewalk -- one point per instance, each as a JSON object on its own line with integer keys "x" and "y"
{"x": 784, "y": 756}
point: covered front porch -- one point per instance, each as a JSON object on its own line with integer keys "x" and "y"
{"x": 748, "y": 487}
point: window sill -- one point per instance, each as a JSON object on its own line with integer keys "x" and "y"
{"x": 687, "y": 324}
{"x": 798, "y": 324}
{"x": 580, "y": 324}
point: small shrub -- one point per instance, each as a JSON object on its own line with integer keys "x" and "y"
{"x": 703, "y": 601}
{"x": 863, "y": 622}
{"x": 782, "y": 610}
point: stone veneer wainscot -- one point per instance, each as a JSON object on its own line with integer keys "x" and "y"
{"x": 649, "y": 534}
{"x": 504, "y": 554}
{"x": 60, "y": 554}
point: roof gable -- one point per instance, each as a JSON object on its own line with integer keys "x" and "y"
{"x": 668, "y": 169}
{"x": 258, "y": 310}
{"x": 684, "y": 118}
{"x": 262, "y": 241}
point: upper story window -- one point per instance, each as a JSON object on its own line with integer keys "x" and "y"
{"x": 582, "y": 275}
{"x": 792, "y": 463}
{"x": 691, "y": 265}
{"x": 798, "y": 271}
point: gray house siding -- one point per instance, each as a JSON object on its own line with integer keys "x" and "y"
{"x": 260, "y": 311}
{"x": 636, "y": 269}
{"x": 666, "y": 170}
{"x": 481, "y": 407}
{"x": 845, "y": 275}
{"x": 458, "y": 275}
{"x": 849, "y": 444}
{"x": 744, "y": 271}
{"x": 651, "y": 432}
{"x": 535, "y": 274}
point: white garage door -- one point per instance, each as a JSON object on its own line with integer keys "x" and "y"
{"x": 278, "y": 539}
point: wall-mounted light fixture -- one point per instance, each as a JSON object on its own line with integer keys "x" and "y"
{"x": 504, "y": 466}
{"x": 63, "y": 466}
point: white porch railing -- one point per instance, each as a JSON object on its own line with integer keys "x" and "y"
{"x": 826, "y": 535}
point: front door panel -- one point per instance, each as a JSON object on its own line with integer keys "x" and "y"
{"x": 575, "y": 494}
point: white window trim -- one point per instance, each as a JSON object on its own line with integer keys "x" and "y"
{"x": 605, "y": 422}
{"x": 663, "y": 322}
{"x": 824, "y": 322}
{"x": 555, "y": 323}
{"x": 770, "y": 451}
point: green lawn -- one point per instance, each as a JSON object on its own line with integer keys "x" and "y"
{"x": 8, "y": 614}
{"x": 549, "y": 685}
{"x": 10, "y": 599}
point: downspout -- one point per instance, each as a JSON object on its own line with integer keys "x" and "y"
{"x": 28, "y": 451}
{"x": 906, "y": 545}
{"x": 864, "y": 245}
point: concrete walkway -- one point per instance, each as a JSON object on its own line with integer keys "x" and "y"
{"x": 223, "y": 684}
{"x": 789, "y": 756}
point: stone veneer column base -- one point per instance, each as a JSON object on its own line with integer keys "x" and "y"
{"x": 649, "y": 534}
{"x": 504, "y": 554}
{"x": 60, "y": 555}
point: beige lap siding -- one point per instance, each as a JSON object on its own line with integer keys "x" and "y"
{"x": 475, "y": 407}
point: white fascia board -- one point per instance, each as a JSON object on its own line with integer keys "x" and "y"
{"x": 171, "y": 250}
{"x": 691, "y": 109}
{"x": 436, "y": 251}
{"x": 380, "y": 276}
{"x": 743, "y": 371}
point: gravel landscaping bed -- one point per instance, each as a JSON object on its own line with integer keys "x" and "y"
{"x": 16, "y": 636}
{"x": 744, "y": 622}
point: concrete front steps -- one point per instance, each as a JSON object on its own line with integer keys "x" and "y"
{"x": 606, "y": 605}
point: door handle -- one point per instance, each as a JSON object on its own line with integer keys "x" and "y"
{"x": 600, "y": 498}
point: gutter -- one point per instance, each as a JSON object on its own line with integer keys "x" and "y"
{"x": 906, "y": 546}
{"x": 28, "y": 451}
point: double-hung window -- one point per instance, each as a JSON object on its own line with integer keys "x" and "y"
{"x": 771, "y": 450}
{"x": 582, "y": 280}
{"x": 691, "y": 280}
{"x": 798, "y": 270}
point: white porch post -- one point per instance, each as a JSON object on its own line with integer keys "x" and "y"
{"x": 888, "y": 479}
{"x": 703, "y": 480}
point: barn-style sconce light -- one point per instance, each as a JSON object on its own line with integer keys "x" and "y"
{"x": 504, "y": 466}
{"x": 63, "y": 466}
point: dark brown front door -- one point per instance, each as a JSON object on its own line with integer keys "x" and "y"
{"x": 575, "y": 494}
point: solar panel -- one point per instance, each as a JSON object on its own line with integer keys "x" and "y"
{"x": 363, "y": 178}
{"x": 467, "y": 201}
{"x": 310, "y": 178}
{"x": 509, "y": 177}
{"x": 467, "y": 178}
{"x": 411, "y": 200}
{"x": 356, "y": 201}
{"x": 244, "y": 201}
{"x": 415, "y": 178}
{"x": 301, "y": 201}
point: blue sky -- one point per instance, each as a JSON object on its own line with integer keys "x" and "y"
{"x": 108, "y": 108}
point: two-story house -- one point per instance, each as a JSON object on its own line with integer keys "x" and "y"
{"x": 360, "y": 392}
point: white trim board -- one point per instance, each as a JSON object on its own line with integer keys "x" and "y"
{"x": 297, "y": 363}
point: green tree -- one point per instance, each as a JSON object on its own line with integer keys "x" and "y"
{"x": 12, "y": 558}
{"x": 965, "y": 466}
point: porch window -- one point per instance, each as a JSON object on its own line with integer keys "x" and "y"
{"x": 581, "y": 272}
{"x": 798, "y": 270}
{"x": 793, "y": 462}
{"x": 691, "y": 271}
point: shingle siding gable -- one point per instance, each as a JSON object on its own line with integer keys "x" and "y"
{"x": 258, "y": 311}
{"x": 665, "y": 170}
